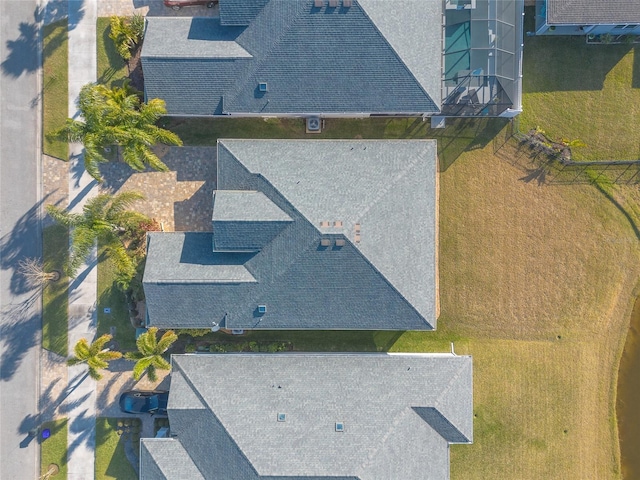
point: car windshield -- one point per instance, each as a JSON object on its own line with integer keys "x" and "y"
{"x": 135, "y": 403}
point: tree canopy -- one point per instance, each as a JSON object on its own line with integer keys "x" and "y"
{"x": 117, "y": 117}
{"x": 103, "y": 218}
{"x": 95, "y": 355}
{"x": 149, "y": 358}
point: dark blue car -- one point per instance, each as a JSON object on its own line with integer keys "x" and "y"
{"x": 141, "y": 401}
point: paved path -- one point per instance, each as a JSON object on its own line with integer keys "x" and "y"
{"x": 81, "y": 402}
{"x": 21, "y": 237}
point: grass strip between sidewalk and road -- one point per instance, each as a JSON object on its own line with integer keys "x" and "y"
{"x": 55, "y": 86}
{"x": 111, "y": 460}
{"x": 53, "y": 450}
{"x": 55, "y": 300}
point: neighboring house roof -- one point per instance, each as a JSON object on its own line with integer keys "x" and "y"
{"x": 342, "y": 236}
{"x": 373, "y": 57}
{"x": 592, "y": 12}
{"x": 399, "y": 414}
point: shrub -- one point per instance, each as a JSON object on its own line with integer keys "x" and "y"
{"x": 126, "y": 33}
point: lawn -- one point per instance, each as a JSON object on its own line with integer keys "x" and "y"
{"x": 55, "y": 300}
{"x": 112, "y": 69}
{"x": 55, "y": 108}
{"x": 111, "y": 461}
{"x": 53, "y": 450}
{"x": 110, "y": 297}
{"x": 589, "y": 92}
{"x": 530, "y": 278}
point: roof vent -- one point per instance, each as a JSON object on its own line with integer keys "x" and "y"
{"x": 262, "y": 86}
{"x": 339, "y": 427}
{"x": 337, "y": 224}
{"x": 340, "y": 242}
{"x": 347, "y": 3}
{"x": 325, "y": 242}
{"x": 282, "y": 417}
{"x": 333, "y": 3}
{"x": 318, "y": 3}
{"x": 325, "y": 224}
{"x": 262, "y": 309}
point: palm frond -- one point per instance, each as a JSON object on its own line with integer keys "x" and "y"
{"x": 97, "y": 363}
{"x": 110, "y": 355}
{"x": 62, "y": 216}
{"x": 166, "y": 341}
{"x": 94, "y": 373}
{"x": 98, "y": 344}
{"x": 160, "y": 363}
{"x": 140, "y": 367}
{"x": 82, "y": 350}
{"x": 134, "y": 356}
{"x": 151, "y": 373}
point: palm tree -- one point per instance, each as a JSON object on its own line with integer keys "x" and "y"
{"x": 126, "y": 33}
{"x": 117, "y": 116}
{"x": 148, "y": 358}
{"x": 95, "y": 355}
{"x": 103, "y": 218}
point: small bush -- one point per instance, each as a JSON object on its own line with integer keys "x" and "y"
{"x": 190, "y": 348}
{"x": 126, "y": 33}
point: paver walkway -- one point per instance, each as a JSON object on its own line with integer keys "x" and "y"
{"x": 81, "y": 401}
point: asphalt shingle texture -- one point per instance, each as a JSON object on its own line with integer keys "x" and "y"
{"x": 377, "y": 198}
{"x": 231, "y": 429}
{"x": 313, "y": 60}
{"x": 590, "y": 12}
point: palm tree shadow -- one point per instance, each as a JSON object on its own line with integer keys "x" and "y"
{"x": 19, "y": 334}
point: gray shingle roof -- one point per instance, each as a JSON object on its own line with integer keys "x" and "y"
{"x": 162, "y": 458}
{"x": 377, "y": 197}
{"x": 313, "y": 60}
{"x": 590, "y": 12}
{"x": 224, "y": 411}
{"x": 240, "y": 12}
{"x": 245, "y": 220}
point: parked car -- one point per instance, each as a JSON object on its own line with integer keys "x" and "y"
{"x": 178, "y": 4}
{"x": 145, "y": 401}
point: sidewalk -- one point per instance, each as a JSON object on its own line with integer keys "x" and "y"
{"x": 81, "y": 402}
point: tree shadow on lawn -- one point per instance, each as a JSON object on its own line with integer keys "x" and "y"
{"x": 23, "y": 51}
{"x": 116, "y": 63}
{"x": 564, "y": 63}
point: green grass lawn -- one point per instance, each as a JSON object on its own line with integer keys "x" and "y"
{"x": 109, "y": 296}
{"x": 589, "y": 92}
{"x": 55, "y": 108}
{"x": 53, "y": 450}
{"x": 460, "y": 134}
{"x": 111, "y": 461}
{"x": 112, "y": 69}
{"x": 55, "y": 300}
{"x": 530, "y": 278}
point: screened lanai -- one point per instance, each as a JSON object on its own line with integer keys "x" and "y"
{"x": 482, "y": 57}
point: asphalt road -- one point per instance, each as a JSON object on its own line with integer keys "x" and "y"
{"x": 20, "y": 237}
